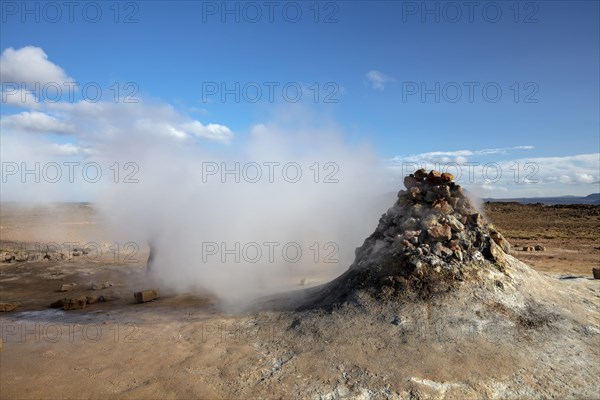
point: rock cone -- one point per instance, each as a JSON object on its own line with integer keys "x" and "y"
{"x": 432, "y": 238}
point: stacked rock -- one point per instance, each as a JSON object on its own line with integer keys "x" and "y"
{"x": 433, "y": 223}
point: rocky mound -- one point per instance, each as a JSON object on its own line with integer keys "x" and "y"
{"x": 432, "y": 238}
{"x": 435, "y": 307}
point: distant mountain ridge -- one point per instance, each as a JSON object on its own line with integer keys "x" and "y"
{"x": 593, "y": 198}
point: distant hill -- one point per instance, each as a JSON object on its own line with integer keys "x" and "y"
{"x": 593, "y": 198}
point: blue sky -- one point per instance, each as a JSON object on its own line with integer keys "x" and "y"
{"x": 372, "y": 58}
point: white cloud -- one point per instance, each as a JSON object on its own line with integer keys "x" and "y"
{"x": 378, "y": 79}
{"x": 500, "y": 176}
{"x": 67, "y": 149}
{"x": 35, "y": 121}
{"x": 30, "y": 65}
{"x": 584, "y": 178}
{"x": 458, "y": 156}
{"x": 92, "y": 122}
{"x": 215, "y": 132}
{"x": 15, "y": 96}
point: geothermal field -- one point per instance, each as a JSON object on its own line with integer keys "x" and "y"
{"x": 287, "y": 199}
{"x": 444, "y": 299}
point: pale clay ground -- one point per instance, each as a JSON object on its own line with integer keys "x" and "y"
{"x": 183, "y": 346}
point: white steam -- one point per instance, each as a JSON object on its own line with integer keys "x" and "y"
{"x": 237, "y": 235}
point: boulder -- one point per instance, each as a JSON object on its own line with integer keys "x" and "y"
{"x": 539, "y": 248}
{"x": 146, "y": 295}
{"x": 65, "y": 287}
{"x": 6, "y": 307}
{"x": 58, "y": 303}
{"x": 74, "y": 303}
{"x": 108, "y": 297}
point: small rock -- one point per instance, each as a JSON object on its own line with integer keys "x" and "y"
{"x": 101, "y": 285}
{"x": 453, "y": 244}
{"x": 457, "y": 191}
{"x": 501, "y": 241}
{"x": 446, "y": 252}
{"x": 434, "y": 177}
{"x": 458, "y": 254}
{"x": 528, "y": 248}
{"x": 92, "y": 299}
{"x": 417, "y": 210}
{"x": 303, "y": 282}
{"x": 65, "y": 287}
{"x": 539, "y": 248}
{"x": 476, "y": 219}
{"x": 5, "y": 307}
{"x": 409, "y": 224}
{"x": 596, "y": 273}
{"x": 447, "y": 177}
{"x": 408, "y": 235}
{"x": 431, "y": 196}
{"x": 443, "y": 191}
{"x": 442, "y": 206}
{"x": 75, "y": 304}
{"x": 410, "y": 181}
{"x": 440, "y": 232}
{"x": 420, "y": 174}
{"x": 429, "y": 221}
{"x": 455, "y": 224}
{"x": 406, "y": 244}
{"x": 58, "y": 303}
{"x": 414, "y": 193}
{"x": 493, "y": 252}
{"x": 146, "y": 295}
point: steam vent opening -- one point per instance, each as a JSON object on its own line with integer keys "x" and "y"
{"x": 431, "y": 240}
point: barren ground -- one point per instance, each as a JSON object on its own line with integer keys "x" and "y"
{"x": 183, "y": 346}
